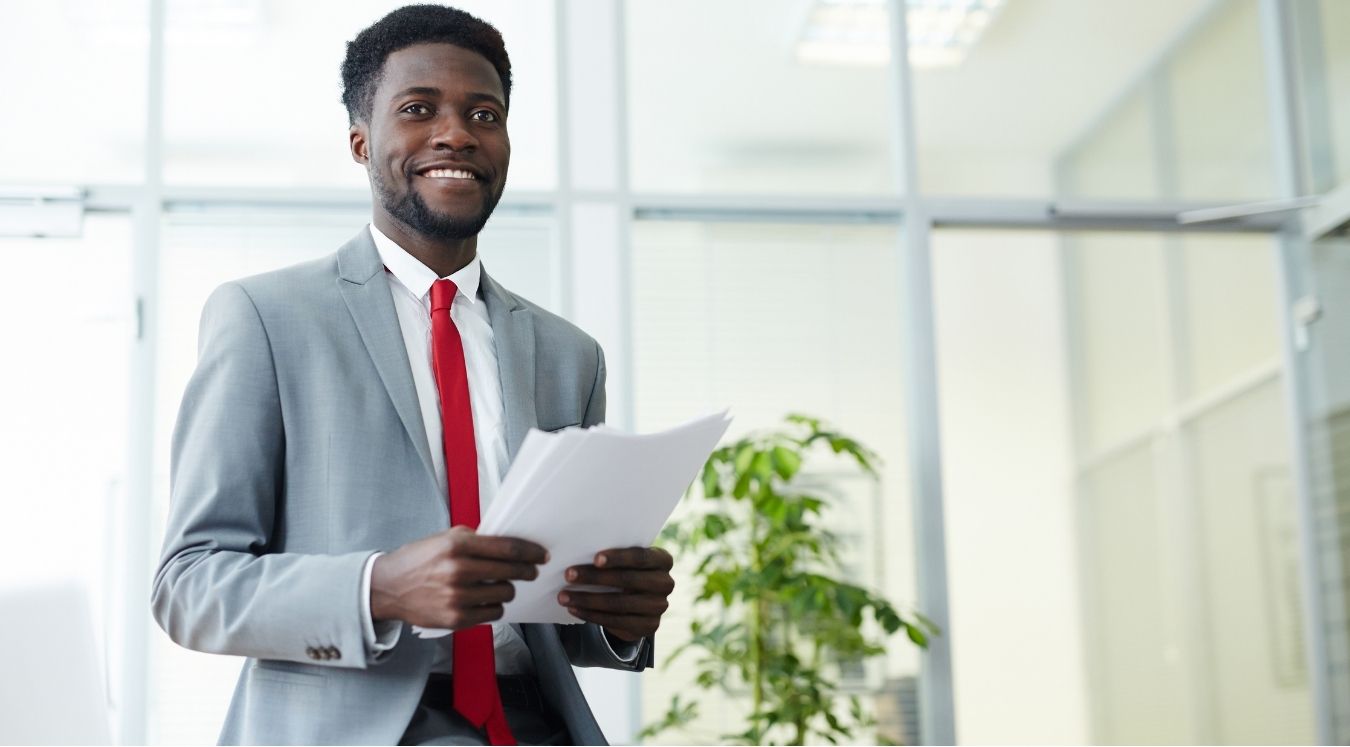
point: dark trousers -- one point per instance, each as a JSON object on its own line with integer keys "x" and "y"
{"x": 531, "y": 720}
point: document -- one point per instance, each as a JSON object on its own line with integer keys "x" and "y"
{"x": 580, "y": 491}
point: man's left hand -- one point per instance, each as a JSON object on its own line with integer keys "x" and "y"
{"x": 642, "y": 577}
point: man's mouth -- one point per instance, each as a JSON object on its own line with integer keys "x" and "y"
{"x": 449, "y": 174}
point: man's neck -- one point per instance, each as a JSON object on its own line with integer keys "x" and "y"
{"x": 444, "y": 258}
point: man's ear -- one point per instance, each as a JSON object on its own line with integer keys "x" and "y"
{"x": 356, "y": 140}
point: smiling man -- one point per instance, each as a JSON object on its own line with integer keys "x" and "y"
{"x": 351, "y": 418}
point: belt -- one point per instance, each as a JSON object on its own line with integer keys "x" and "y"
{"x": 518, "y": 691}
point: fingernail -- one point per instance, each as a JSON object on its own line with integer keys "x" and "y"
{"x": 600, "y": 560}
{"x": 546, "y": 556}
{"x": 571, "y": 574}
{"x": 564, "y": 598}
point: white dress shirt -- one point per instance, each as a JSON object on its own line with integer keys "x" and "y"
{"x": 410, "y": 284}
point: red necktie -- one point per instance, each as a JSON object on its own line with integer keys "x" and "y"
{"x": 475, "y": 671}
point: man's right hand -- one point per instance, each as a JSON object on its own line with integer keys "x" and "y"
{"x": 455, "y": 579}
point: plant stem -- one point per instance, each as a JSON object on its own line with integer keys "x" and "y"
{"x": 757, "y": 623}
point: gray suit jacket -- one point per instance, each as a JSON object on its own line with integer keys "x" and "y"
{"x": 299, "y": 451}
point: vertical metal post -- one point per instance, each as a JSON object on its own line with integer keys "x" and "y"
{"x": 562, "y": 199}
{"x": 623, "y": 190}
{"x": 1281, "y": 85}
{"x": 594, "y": 220}
{"x": 937, "y": 717}
{"x": 133, "y": 708}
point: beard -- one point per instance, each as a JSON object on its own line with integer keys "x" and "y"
{"x": 414, "y": 212}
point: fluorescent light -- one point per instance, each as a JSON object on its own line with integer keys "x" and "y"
{"x": 854, "y": 32}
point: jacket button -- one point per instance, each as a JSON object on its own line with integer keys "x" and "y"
{"x": 337, "y": 652}
{"x": 312, "y": 653}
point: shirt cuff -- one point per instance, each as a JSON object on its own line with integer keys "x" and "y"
{"x": 380, "y": 636}
{"x": 624, "y": 651}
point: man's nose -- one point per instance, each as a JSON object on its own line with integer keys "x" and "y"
{"x": 452, "y": 132}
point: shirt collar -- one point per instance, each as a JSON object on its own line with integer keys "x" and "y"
{"x": 417, "y": 277}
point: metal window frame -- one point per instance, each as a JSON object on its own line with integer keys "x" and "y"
{"x": 1280, "y": 23}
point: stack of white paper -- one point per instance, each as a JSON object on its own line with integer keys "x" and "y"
{"x": 580, "y": 491}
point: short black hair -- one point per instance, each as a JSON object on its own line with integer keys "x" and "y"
{"x": 402, "y": 28}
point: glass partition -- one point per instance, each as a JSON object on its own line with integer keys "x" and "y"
{"x": 1188, "y": 123}
{"x": 1122, "y": 555}
{"x": 273, "y": 116}
{"x": 723, "y": 99}
{"x": 769, "y": 319}
{"x": 75, "y": 91}
{"x": 69, "y": 326}
{"x": 1322, "y": 46}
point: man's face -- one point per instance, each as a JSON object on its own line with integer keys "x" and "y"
{"x": 436, "y": 146}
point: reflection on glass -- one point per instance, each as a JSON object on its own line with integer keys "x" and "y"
{"x": 767, "y": 320}
{"x": 272, "y": 116}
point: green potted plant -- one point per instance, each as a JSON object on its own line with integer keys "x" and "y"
{"x": 773, "y": 617}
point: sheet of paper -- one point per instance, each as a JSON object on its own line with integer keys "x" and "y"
{"x": 577, "y": 492}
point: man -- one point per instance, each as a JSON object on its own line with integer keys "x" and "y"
{"x": 345, "y": 412}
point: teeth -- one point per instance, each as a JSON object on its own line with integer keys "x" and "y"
{"x": 448, "y": 174}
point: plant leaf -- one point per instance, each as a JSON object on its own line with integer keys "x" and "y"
{"x": 712, "y": 483}
{"x": 786, "y": 462}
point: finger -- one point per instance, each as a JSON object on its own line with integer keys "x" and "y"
{"x": 647, "y": 605}
{"x": 486, "y": 546}
{"x": 476, "y": 570}
{"x": 627, "y": 627}
{"x": 651, "y": 558}
{"x": 653, "y": 582}
{"x": 471, "y": 616}
{"x": 478, "y": 595}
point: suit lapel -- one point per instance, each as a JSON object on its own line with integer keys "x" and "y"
{"x": 365, "y": 289}
{"x": 513, "y": 336}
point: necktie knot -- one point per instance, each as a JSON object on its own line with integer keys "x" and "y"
{"x": 443, "y": 294}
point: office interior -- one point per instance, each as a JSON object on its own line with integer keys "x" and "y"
{"x": 1075, "y": 270}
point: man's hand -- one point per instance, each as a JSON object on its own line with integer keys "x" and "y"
{"x": 642, "y": 577}
{"x": 455, "y": 579}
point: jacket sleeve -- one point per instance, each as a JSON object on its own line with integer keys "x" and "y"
{"x": 585, "y": 644}
{"x": 586, "y": 647}
{"x": 218, "y": 588}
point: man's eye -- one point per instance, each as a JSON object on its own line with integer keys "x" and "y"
{"x": 416, "y": 109}
{"x": 485, "y": 115}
